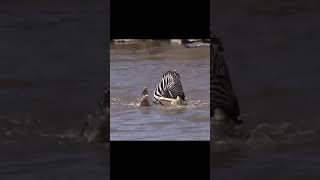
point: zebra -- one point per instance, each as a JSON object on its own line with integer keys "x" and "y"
{"x": 222, "y": 97}
{"x": 170, "y": 86}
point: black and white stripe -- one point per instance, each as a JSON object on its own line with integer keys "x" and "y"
{"x": 221, "y": 91}
{"x": 169, "y": 87}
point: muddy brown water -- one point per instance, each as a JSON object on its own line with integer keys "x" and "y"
{"x": 139, "y": 65}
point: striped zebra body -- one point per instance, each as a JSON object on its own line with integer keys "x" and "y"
{"x": 169, "y": 87}
{"x": 221, "y": 92}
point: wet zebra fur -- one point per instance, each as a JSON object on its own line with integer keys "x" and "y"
{"x": 221, "y": 91}
{"x": 169, "y": 87}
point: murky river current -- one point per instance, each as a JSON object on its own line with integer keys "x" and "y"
{"x": 52, "y": 73}
{"x": 272, "y": 51}
{"x": 141, "y": 65}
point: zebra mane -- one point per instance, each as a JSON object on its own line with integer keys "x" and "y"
{"x": 171, "y": 72}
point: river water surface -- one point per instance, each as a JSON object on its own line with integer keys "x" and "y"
{"x": 272, "y": 51}
{"x": 52, "y": 73}
{"x": 141, "y": 65}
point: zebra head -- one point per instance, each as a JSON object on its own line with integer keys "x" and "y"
{"x": 170, "y": 86}
{"x": 174, "y": 74}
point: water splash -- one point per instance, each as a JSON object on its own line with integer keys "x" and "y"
{"x": 269, "y": 135}
{"x": 20, "y": 127}
{"x": 192, "y": 104}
